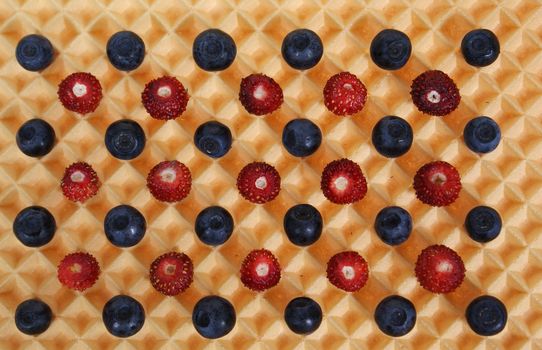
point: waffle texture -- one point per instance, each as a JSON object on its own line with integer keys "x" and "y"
{"x": 509, "y": 178}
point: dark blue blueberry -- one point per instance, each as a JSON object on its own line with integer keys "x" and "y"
{"x": 123, "y": 316}
{"x": 214, "y": 225}
{"x": 303, "y": 315}
{"x": 124, "y": 226}
{"x": 482, "y": 134}
{"x": 213, "y": 138}
{"x": 213, "y": 317}
{"x": 483, "y": 224}
{"x": 214, "y": 50}
{"x": 34, "y": 52}
{"x": 395, "y": 316}
{"x": 303, "y": 224}
{"x": 302, "y": 49}
{"x": 480, "y": 47}
{"x": 390, "y": 49}
{"x": 33, "y": 317}
{"x": 34, "y": 226}
{"x": 301, "y": 137}
{"x": 393, "y": 225}
{"x": 35, "y": 138}
{"x": 392, "y": 136}
{"x": 125, "y": 139}
{"x": 486, "y": 315}
{"x": 125, "y": 50}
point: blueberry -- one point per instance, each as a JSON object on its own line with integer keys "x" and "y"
{"x": 34, "y": 226}
{"x": 303, "y": 224}
{"x": 486, "y": 315}
{"x": 34, "y": 52}
{"x": 393, "y": 225}
{"x": 33, "y": 317}
{"x": 213, "y": 317}
{"x": 124, "y": 226}
{"x": 123, "y": 316}
{"x": 125, "y": 50}
{"x": 390, "y": 49}
{"x": 392, "y": 136}
{"x": 214, "y": 225}
{"x": 125, "y": 139}
{"x": 35, "y": 138}
{"x": 480, "y": 47}
{"x": 301, "y": 137}
{"x": 395, "y": 316}
{"x": 303, "y": 315}
{"x": 482, "y": 134}
{"x": 483, "y": 224}
{"x": 302, "y": 49}
{"x": 213, "y": 138}
{"x": 214, "y": 50}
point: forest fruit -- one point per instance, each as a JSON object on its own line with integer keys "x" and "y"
{"x": 213, "y": 317}
{"x": 34, "y": 52}
{"x": 303, "y": 315}
{"x": 78, "y": 271}
{"x": 260, "y": 270}
{"x": 437, "y": 184}
{"x": 35, "y": 138}
{"x": 80, "y": 92}
{"x": 480, "y": 47}
{"x": 390, "y": 49}
{"x": 482, "y": 134}
{"x": 169, "y": 181}
{"x": 302, "y": 49}
{"x": 303, "y": 224}
{"x": 301, "y": 137}
{"x": 214, "y": 50}
{"x": 435, "y": 93}
{"x": 395, "y": 316}
{"x": 80, "y": 182}
{"x": 165, "y": 98}
{"x": 486, "y": 315}
{"x": 343, "y": 182}
{"x": 125, "y": 139}
{"x": 344, "y": 94}
{"x": 33, "y": 317}
{"x": 172, "y": 273}
{"x": 125, "y": 50}
{"x": 347, "y": 271}
{"x": 260, "y": 94}
{"x": 258, "y": 182}
{"x": 439, "y": 269}
{"x": 213, "y": 139}
{"x": 34, "y": 226}
{"x": 123, "y": 316}
{"x": 214, "y": 225}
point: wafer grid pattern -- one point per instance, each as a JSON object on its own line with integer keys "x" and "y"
{"x": 509, "y": 179}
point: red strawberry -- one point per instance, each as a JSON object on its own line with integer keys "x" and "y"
{"x": 435, "y": 93}
{"x": 80, "y": 92}
{"x": 343, "y": 182}
{"x": 437, "y": 184}
{"x": 347, "y": 271}
{"x": 439, "y": 269}
{"x": 260, "y": 94}
{"x": 172, "y": 273}
{"x": 165, "y": 98}
{"x": 169, "y": 181}
{"x": 258, "y": 182}
{"x": 344, "y": 94}
{"x": 260, "y": 270}
{"x": 80, "y": 182}
{"x": 78, "y": 271}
